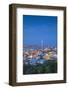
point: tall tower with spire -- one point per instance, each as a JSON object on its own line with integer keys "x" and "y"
{"x": 42, "y": 44}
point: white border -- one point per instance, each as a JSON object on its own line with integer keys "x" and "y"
{"x": 41, "y": 77}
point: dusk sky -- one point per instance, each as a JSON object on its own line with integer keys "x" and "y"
{"x": 38, "y": 28}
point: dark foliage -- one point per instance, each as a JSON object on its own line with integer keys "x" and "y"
{"x": 49, "y": 66}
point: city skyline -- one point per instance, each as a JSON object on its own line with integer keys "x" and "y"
{"x": 40, "y": 44}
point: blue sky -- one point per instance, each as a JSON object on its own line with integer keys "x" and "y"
{"x": 38, "y": 28}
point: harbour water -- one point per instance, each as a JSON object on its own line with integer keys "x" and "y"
{"x": 34, "y": 61}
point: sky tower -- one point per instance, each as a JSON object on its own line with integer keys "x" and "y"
{"x": 42, "y": 44}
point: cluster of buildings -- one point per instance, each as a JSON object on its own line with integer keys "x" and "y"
{"x": 40, "y": 54}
